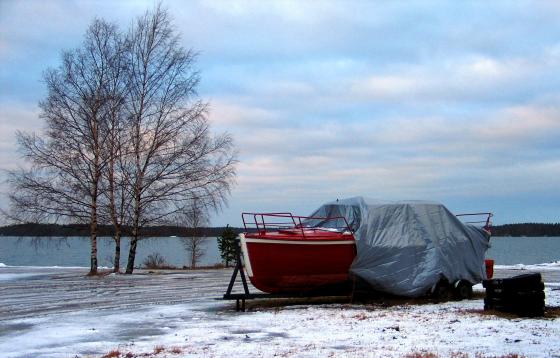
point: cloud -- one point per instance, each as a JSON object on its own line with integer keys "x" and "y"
{"x": 403, "y": 158}
{"x": 521, "y": 124}
{"x": 14, "y": 116}
{"x": 473, "y": 79}
{"x": 449, "y": 102}
{"x": 227, "y": 114}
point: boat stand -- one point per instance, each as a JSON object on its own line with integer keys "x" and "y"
{"x": 238, "y": 296}
{"x": 246, "y": 295}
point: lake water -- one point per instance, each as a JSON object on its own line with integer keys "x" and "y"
{"x": 524, "y": 250}
{"x": 74, "y": 251}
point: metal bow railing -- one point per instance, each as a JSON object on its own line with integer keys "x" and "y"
{"x": 288, "y": 223}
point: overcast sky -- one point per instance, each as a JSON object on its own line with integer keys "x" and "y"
{"x": 457, "y": 102}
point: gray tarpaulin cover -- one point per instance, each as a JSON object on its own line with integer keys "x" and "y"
{"x": 406, "y": 247}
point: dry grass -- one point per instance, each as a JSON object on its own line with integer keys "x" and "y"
{"x": 158, "y": 349}
{"x": 549, "y": 313}
{"x": 360, "y": 317}
{"x": 217, "y": 266}
{"x": 373, "y": 301}
{"x": 112, "y": 354}
{"x": 176, "y": 350}
{"x": 166, "y": 267}
{"x": 459, "y": 355}
{"x": 100, "y": 273}
{"x": 156, "y": 352}
{"x": 155, "y": 261}
{"x": 278, "y": 304}
{"x": 421, "y": 355}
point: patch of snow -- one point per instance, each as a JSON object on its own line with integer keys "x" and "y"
{"x": 478, "y": 288}
{"x": 17, "y": 276}
{"x": 548, "y": 266}
{"x": 207, "y": 327}
{"x": 552, "y": 295}
{"x": 60, "y": 267}
{"x": 212, "y": 329}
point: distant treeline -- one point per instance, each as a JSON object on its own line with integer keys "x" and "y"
{"x": 526, "y": 229}
{"x": 105, "y": 230}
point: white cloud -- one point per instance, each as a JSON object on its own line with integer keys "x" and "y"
{"x": 14, "y": 117}
{"x": 430, "y": 158}
{"x": 521, "y": 124}
{"x": 477, "y": 77}
{"x": 335, "y": 99}
{"x": 226, "y": 114}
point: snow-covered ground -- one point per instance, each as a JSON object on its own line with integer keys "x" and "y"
{"x": 188, "y": 321}
{"x": 549, "y": 266}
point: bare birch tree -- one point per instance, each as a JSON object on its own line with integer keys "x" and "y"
{"x": 67, "y": 158}
{"x": 195, "y": 218}
{"x": 175, "y": 158}
{"x": 126, "y": 141}
{"x": 116, "y": 198}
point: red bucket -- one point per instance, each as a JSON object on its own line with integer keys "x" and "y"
{"x": 489, "y": 268}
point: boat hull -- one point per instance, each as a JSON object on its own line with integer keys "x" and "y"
{"x": 277, "y": 265}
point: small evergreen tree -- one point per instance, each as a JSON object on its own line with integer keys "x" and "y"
{"x": 227, "y": 245}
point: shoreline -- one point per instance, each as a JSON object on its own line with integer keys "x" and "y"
{"x": 554, "y": 265}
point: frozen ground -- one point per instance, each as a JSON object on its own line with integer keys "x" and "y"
{"x": 57, "y": 312}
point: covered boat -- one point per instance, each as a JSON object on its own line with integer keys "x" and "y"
{"x": 282, "y": 254}
{"x": 408, "y": 248}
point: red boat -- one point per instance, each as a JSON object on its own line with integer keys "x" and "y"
{"x": 281, "y": 254}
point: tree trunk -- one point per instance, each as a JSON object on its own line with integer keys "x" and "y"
{"x": 93, "y": 261}
{"x": 93, "y": 239}
{"x": 113, "y": 211}
{"x": 193, "y": 254}
{"x": 137, "y": 198}
{"x": 132, "y": 252}
{"x": 117, "y": 238}
{"x": 135, "y": 235}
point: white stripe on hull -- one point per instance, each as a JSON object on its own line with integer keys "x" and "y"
{"x": 300, "y": 242}
{"x": 245, "y": 253}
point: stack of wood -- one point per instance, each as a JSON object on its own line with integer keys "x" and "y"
{"x": 522, "y": 295}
